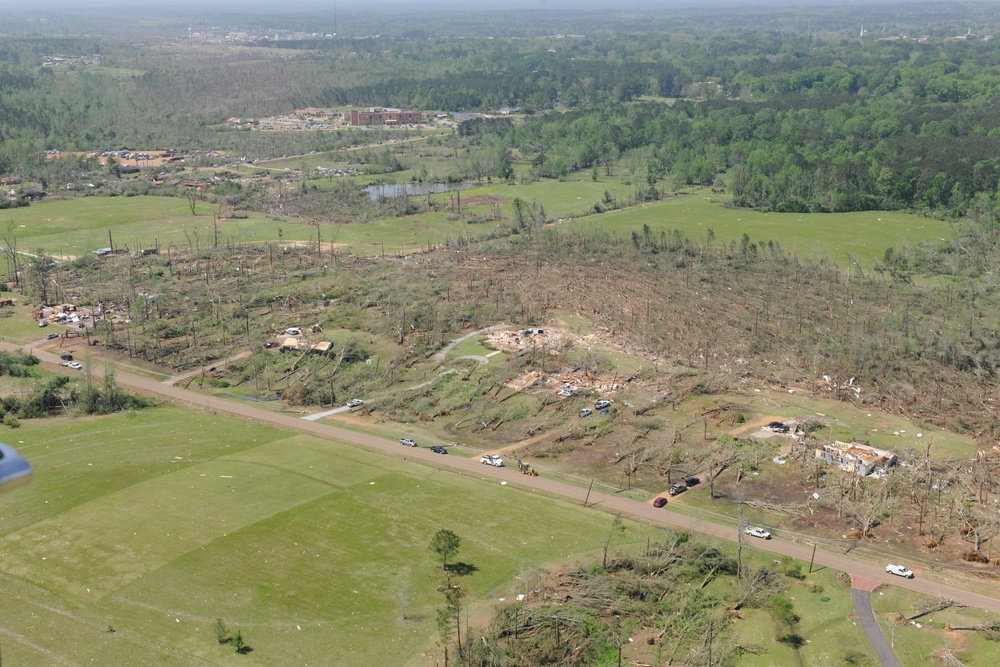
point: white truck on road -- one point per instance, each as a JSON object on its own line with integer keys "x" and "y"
{"x": 492, "y": 460}
{"x": 899, "y": 571}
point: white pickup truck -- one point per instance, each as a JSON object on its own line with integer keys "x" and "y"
{"x": 899, "y": 571}
{"x": 491, "y": 460}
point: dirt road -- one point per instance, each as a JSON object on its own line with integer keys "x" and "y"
{"x": 981, "y": 594}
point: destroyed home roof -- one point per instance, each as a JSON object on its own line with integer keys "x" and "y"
{"x": 861, "y": 452}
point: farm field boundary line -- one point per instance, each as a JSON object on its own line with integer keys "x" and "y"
{"x": 633, "y": 509}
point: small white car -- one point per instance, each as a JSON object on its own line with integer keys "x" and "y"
{"x": 586, "y": 412}
{"x": 408, "y": 442}
{"x": 355, "y": 402}
{"x": 754, "y": 531}
{"x": 602, "y": 404}
{"x": 43, "y": 323}
{"x": 899, "y": 571}
{"x": 75, "y": 365}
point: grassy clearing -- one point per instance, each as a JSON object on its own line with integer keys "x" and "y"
{"x": 471, "y": 346}
{"x": 823, "y": 604}
{"x": 160, "y": 522}
{"x": 914, "y": 645}
{"x": 864, "y": 235}
{"x": 74, "y": 227}
{"x": 575, "y": 322}
{"x": 16, "y": 324}
{"x": 849, "y": 422}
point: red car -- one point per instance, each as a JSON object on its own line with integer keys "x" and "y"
{"x": 660, "y": 502}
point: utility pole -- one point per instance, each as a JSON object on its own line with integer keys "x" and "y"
{"x": 585, "y": 500}
{"x": 813, "y": 558}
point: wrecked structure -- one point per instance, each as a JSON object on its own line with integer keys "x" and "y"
{"x": 856, "y": 457}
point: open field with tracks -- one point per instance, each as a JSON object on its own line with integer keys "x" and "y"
{"x": 157, "y": 523}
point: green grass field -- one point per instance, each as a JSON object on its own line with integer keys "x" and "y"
{"x": 824, "y": 607}
{"x": 916, "y": 645}
{"x": 160, "y": 522}
{"x": 74, "y": 227}
{"x": 834, "y": 236}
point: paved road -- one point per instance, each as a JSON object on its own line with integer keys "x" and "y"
{"x": 866, "y": 617}
{"x": 612, "y": 504}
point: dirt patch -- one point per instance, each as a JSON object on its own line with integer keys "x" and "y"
{"x": 751, "y": 427}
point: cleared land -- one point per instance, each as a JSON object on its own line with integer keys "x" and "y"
{"x": 72, "y": 227}
{"x": 158, "y": 523}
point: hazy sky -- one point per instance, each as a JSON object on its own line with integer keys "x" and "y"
{"x": 348, "y": 5}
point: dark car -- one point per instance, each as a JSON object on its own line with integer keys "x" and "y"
{"x": 66, "y": 356}
{"x": 438, "y": 449}
{"x": 660, "y": 502}
{"x": 691, "y": 481}
{"x": 678, "y": 489}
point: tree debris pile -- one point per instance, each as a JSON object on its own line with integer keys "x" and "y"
{"x": 655, "y": 607}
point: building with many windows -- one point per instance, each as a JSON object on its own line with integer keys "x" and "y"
{"x": 384, "y": 116}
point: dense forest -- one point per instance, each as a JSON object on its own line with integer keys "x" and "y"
{"x": 804, "y": 120}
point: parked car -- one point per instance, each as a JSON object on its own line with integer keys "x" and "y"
{"x": 586, "y": 412}
{"x": 602, "y": 404}
{"x": 491, "y": 460}
{"x": 899, "y": 571}
{"x": 408, "y": 442}
{"x": 691, "y": 481}
{"x": 355, "y": 402}
{"x": 438, "y": 449}
{"x": 43, "y": 323}
{"x": 754, "y": 531}
{"x": 660, "y": 502}
{"x": 66, "y": 356}
{"x": 678, "y": 489}
{"x": 75, "y": 365}
{"x": 51, "y": 336}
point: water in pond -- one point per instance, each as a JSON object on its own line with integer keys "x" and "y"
{"x": 395, "y": 190}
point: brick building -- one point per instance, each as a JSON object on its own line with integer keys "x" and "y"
{"x": 381, "y": 116}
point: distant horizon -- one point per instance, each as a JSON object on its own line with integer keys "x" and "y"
{"x": 295, "y": 6}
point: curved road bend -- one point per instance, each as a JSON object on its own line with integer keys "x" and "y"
{"x": 609, "y": 503}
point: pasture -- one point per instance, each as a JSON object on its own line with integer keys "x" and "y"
{"x": 74, "y": 227}
{"x": 155, "y": 524}
{"x": 78, "y": 226}
{"x": 835, "y": 237}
